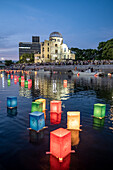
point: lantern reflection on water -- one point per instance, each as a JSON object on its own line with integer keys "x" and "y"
{"x": 37, "y": 106}
{"x": 36, "y": 137}
{"x": 55, "y": 118}
{"x": 99, "y": 110}
{"x": 12, "y": 112}
{"x": 29, "y": 83}
{"x": 56, "y": 165}
{"x": 74, "y": 137}
{"x": 43, "y": 103}
{"x": 11, "y": 102}
{"x": 60, "y": 143}
{"x": 73, "y": 120}
{"x": 55, "y": 106}
{"x": 36, "y": 120}
{"x": 98, "y": 123}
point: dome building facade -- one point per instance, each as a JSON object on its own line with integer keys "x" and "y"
{"x": 53, "y": 50}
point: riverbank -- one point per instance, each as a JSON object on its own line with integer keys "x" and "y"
{"x": 66, "y": 68}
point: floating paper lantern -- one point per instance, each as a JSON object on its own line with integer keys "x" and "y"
{"x": 19, "y": 79}
{"x": 11, "y": 101}
{"x": 11, "y": 76}
{"x": 55, "y": 118}
{"x": 56, "y": 165}
{"x": 36, "y": 120}
{"x": 60, "y": 143}
{"x": 99, "y": 110}
{"x": 73, "y": 120}
{"x": 26, "y": 84}
{"x": 8, "y": 76}
{"x": 8, "y": 82}
{"x": 98, "y": 123}
{"x": 22, "y": 79}
{"x": 74, "y": 137}
{"x": 43, "y": 103}
{"x": 55, "y": 106}
{"x": 15, "y": 77}
{"x": 37, "y": 106}
{"x": 12, "y": 112}
{"x": 65, "y": 83}
{"x": 29, "y": 83}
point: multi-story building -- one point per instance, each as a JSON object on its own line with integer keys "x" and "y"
{"x": 30, "y": 47}
{"x": 54, "y": 50}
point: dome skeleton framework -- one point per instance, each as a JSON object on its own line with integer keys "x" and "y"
{"x": 55, "y": 34}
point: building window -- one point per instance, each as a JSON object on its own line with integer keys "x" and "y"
{"x": 48, "y": 49}
{"x": 56, "y": 45}
{"x": 58, "y": 40}
{"x": 64, "y": 49}
{"x": 48, "y": 44}
{"x": 64, "y": 57}
{"x": 43, "y": 56}
{"x": 42, "y": 49}
{"x": 48, "y": 56}
{"x": 56, "y": 51}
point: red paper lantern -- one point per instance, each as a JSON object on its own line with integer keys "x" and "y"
{"x": 56, "y": 165}
{"x": 29, "y": 83}
{"x": 11, "y": 76}
{"x": 60, "y": 143}
{"x": 15, "y": 77}
{"x": 55, "y": 118}
{"x": 55, "y": 106}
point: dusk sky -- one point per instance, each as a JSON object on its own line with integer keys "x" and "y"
{"x": 82, "y": 23}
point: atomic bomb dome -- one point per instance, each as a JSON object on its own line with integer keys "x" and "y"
{"x": 55, "y": 34}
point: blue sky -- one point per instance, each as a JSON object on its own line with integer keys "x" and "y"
{"x": 83, "y": 23}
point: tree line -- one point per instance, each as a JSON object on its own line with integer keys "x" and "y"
{"x": 104, "y": 51}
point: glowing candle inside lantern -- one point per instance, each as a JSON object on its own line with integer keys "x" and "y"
{"x": 55, "y": 106}
{"x": 73, "y": 120}
{"x": 60, "y": 143}
{"x": 11, "y": 101}
{"x": 99, "y": 110}
{"x": 36, "y": 120}
{"x": 43, "y": 102}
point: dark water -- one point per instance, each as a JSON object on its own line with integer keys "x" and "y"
{"x": 21, "y": 149}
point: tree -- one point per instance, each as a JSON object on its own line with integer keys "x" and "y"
{"x": 27, "y": 58}
{"x": 8, "y": 62}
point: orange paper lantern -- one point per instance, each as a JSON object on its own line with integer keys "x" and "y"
{"x": 42, "y": 101}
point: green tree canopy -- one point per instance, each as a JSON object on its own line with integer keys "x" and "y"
{"x": 27, "y": 58}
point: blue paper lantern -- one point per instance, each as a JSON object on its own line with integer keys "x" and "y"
{"x": 11, "y": 102}
{"x": 36, "y": 120}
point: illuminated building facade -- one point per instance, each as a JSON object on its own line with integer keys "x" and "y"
{"x": 54, "y": 50}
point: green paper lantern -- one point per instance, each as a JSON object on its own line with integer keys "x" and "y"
{"x": 19, "y": 79}
{"x": 26, "y": 84}
{"x": 37, "y": 106}
{"x": 99, "y": 110}
{"x": 8, "y": 82}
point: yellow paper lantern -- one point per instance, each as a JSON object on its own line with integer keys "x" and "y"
{"x": 73, "y": 120}
{"x": 42, "y": 101}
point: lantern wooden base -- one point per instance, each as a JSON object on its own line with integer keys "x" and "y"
{"x": 38, "y": 130}
{"x": 99, "y": 117}
{"x": 60, "y": 159}
{"x": 75, "y": 129}
{"x": 12, "y": 107}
